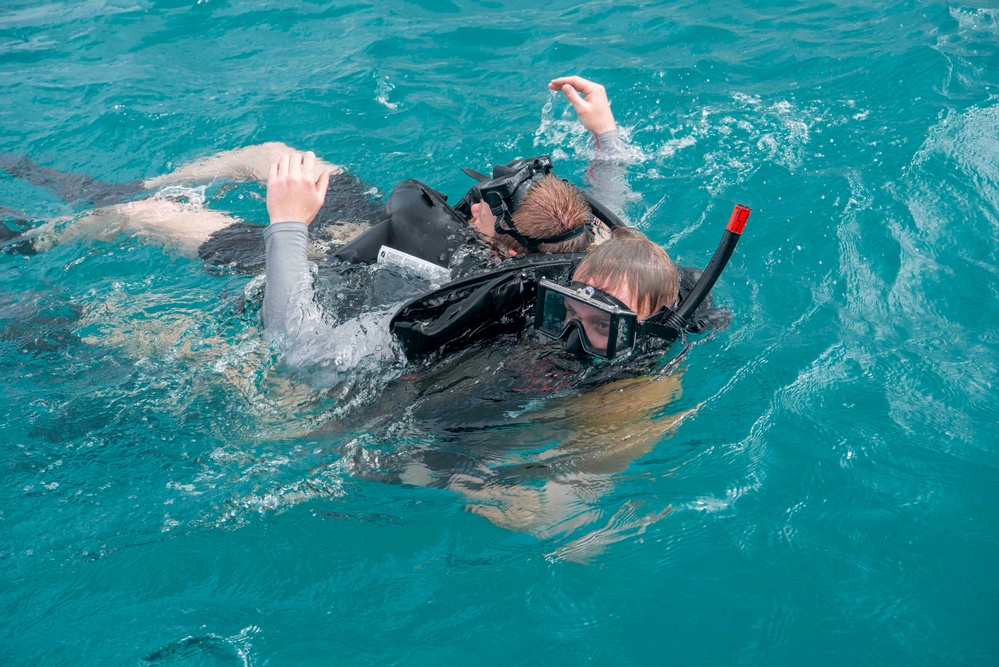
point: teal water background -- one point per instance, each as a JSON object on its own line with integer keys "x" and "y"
{"x": 831, "y": 502}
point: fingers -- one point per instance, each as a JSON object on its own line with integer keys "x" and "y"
{"x": 594, "y": 110}
{"x": 295, "y": 165}
{"x": 570, "y": 94}
{"x": 584, "y": 86}
{"x": 322, "y": 184}
{"x": 282, "y": 166}
{"x": 294, "y": 192}
{"x": 309, "y": 165}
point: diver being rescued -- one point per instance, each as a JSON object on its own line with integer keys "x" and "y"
{"x": 522, "y": 208}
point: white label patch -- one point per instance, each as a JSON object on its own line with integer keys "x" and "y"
{"x": 421, "y": 267}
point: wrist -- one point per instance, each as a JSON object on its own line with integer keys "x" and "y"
{"x": 289, "y": 222}
{"x": 608, "y": 138}
{"x": 603, "y": 127}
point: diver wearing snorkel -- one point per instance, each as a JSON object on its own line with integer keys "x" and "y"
{"x": 473, "y": 379}
{"x": 601, "y": 317}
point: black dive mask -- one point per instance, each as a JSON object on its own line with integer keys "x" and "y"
{"x": 574, "y": 343}
{"x": 595, "y": 321}
{"x": 511, "y": 182}
{"x": 505, "y": 191}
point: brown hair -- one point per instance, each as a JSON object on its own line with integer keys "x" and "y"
{"x": 551, "y": 207}
{"x": 633, "y": 264}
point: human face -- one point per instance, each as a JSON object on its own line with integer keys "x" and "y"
{"x": 595, "y": 323}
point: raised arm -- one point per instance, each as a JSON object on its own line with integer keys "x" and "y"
{"x": 594, "y": 111}
{"x": 607, "y": 172}
{"x": 295, "y": 192}
{"x": 294, "y": 196}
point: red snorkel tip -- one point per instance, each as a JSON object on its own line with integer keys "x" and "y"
{"x": 740, "y": 214}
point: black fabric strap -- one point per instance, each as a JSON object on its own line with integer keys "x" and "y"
{"x": 533, "y": 244}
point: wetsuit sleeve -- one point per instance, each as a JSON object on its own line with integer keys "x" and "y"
{"x": 294, "y": 320}
{"x": 289, "y": 285}
{"x": 611, "y": 145}
{"x": 607, "y": 173}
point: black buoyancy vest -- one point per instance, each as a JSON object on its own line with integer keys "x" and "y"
{"x": 417, "y": 221}
{"x": 502, "y": 301}
{"x": 476, "y": 308}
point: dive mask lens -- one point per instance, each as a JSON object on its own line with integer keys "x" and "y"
{"x": 604, "y": 329}
{"x": 574, "y": 341}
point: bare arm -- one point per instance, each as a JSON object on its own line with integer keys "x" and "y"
{"x": 250, "y": 163}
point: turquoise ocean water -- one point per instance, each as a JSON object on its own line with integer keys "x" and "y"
{"x": 831, "y": 500}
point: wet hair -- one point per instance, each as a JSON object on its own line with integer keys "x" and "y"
{"x": 631, "y": 260}
{"x": 550, "y": 208}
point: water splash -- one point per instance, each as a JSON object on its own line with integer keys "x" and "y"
{"x": 382, "y": 89}
{"x": 208, "y": 649}
{"x": 570, "y": 139}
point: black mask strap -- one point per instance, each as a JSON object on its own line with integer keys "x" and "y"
{"x": 476, "y": 175}
{"x": 533, "y": 244}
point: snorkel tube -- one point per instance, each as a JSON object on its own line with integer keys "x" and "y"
{"x": 668, "y": 325}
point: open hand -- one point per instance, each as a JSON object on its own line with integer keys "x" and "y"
{"x": 594, "y": 111}
{"x": 294, "y": 192}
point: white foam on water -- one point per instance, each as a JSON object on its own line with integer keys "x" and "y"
{"x": 382, "y": 89}
{"x": 192, "y": 197}
{"x": 978, "y": 19}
